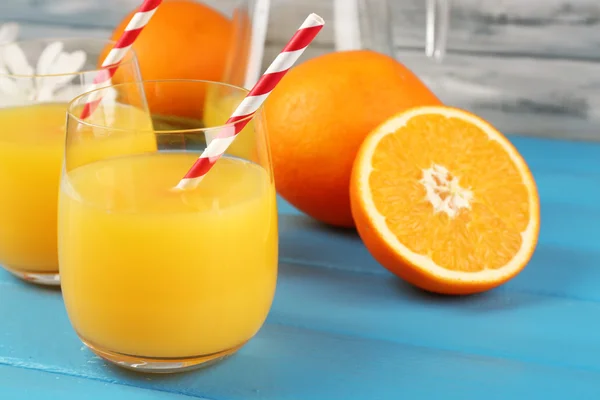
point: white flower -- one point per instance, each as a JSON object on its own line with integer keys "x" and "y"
{"x": 52, "y": 79}
{"x": 60, "y": 66}
{"x": 8, "y": 34}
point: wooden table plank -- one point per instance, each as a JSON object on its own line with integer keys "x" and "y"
{"x": 17, "y": 383}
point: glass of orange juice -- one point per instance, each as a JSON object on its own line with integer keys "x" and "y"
{"x": 157, "y": 279}
{"x": 37, "y": 79}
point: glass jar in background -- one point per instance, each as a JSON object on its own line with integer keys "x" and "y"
{"x": 250, "y": 22}
{"x": 156, "y": 279}
{"x": 363, "y": 24}
{"x": 38, "y": 78}
{"x": 528, "y": 67}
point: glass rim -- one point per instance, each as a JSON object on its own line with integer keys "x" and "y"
{"x": 76, "y": 101}
{"x": 127, "y": 60}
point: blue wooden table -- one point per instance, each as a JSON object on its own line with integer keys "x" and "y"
{"x": 342, "y": 327}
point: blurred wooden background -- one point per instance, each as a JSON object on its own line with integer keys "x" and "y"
{"x": 529, "y": 66}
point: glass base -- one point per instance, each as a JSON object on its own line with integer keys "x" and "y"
{"x": 39, "y": 278}
{"x": 160, "y": 365}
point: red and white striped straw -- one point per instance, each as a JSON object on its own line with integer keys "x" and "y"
{"x": 139, "y": 20}
{"x": 259, "y": 93}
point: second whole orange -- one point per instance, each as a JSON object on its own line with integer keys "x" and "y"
{"x": 318, "y": 116}
{"x": 184, "y": 40}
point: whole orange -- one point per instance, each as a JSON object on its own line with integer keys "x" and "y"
{"x": 183, "y": 40}
{"x": 319, "y": 115}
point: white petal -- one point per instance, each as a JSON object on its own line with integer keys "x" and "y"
{"x": 65, "y": 64}
{"x": 44, "y": 65}
{"x": 73, "y": 62}
{"x": 48, "y": 57}
{"x": 8, "y": 86}
{"x": 10, "y": 92}
{"x": 9, "y": 32}
{"x": 26, "y": 86}
{"x": 16, "y": 61}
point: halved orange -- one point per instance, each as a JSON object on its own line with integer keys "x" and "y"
{"x": 443, "y": 200}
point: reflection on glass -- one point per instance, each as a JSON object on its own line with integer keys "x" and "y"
{"x": 157, "y": 279}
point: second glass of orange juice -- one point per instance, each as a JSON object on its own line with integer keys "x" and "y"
{"x": 37, "y": 80}
{"x": 156, "y": 279}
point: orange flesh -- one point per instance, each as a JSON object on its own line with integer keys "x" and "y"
{"x": 484, "y": 235}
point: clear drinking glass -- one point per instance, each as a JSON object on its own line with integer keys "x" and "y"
{"x": 363, "y": 24}
{"x": 250, "y": 20}
{"x": 153, "y": 278}
{"x": 37, "y": 80}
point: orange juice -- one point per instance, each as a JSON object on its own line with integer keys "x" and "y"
{"x": 31, "y": 151}
{"x": 32, "y": 140}
{"x": 154, "y": 273}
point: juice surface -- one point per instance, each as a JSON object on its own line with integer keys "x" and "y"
{"x": 32, "y": 140}
{"x": 150, "y": 272}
